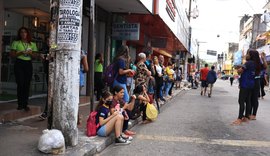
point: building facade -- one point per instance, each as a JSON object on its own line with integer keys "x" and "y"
{"x": 161, "y": 24}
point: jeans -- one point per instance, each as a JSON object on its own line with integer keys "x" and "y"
{"x": 161, "y": 90}
{"x": 167, "y": 88}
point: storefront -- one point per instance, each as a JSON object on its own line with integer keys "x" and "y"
{"x": 35, "y": 16}
{"x": 158, "y": 23}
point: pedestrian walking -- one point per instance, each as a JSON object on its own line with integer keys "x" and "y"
{"x": 203, "y": 75}
{"x": 24, "y": 50}
{"x": 246, "y": 85}
{"x": 211, "y": 79}
{"x": 231, "y": 79}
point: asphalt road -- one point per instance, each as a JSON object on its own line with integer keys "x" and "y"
{"x": 194, "y": 125}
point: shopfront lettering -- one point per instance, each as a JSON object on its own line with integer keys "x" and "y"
{"x": 125, "y": 26}
{"x": 126, "y": 31}
{"x": 70, "y": 2}
{"x": 69, "y": 12}
{"x": 68, "y": 37}
{"x": 170, "y": 8}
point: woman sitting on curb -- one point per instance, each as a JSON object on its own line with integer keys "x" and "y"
{"x": 110, "y": 121}
{"x": 118, "y": 98}
{"x": 143, "y": 98}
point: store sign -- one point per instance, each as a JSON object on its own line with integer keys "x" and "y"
{"x": 170, "y": 8}
{"x": 126, "y": 31}
{"x": 212, "y": 52}
{"x": 69, "y": 22}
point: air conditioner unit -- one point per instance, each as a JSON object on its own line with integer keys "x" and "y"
{"x": 265, "y": 18}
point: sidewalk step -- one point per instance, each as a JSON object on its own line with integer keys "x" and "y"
{"x": 13, "y": 114}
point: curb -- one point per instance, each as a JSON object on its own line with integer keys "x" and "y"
{"x": 94, "y": 145}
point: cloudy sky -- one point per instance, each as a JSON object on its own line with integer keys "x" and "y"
{"x": 221, "y": 17}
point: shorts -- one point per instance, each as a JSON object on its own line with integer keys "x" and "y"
{"x": 102, "y": 131}
{"x": 204, "y": 84}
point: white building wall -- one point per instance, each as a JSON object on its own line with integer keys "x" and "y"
{"x": 148, "y": 4}
{"x": 180, "y": 27}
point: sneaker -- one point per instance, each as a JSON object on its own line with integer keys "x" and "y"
{"x": 126, "y": 137}
{"x": 43, "y": 116}
{"x": 121, "y": 141}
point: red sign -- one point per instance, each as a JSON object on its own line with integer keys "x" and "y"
{"x": 170, "y": 8}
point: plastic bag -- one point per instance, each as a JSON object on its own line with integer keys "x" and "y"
{"x": 52, "y": 141}
{"x": 151, "y": 112}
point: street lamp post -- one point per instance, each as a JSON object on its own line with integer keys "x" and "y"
{"x": 198, "y": 55}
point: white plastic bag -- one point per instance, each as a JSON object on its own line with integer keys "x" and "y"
{"x": 52, "y": 141}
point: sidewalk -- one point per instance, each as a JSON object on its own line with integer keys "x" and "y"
{"x": 21, "y": 136}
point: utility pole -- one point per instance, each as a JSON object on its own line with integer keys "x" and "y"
{"x": 65, "y": 47}
{"x": 91, "y": 55}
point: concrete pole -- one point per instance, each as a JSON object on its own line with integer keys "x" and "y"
{"x": 91, "y": 55}
{"x": 65, "y": 48}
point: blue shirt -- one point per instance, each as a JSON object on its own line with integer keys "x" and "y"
{"x": 121, "y": 64}
{"x": 247, "y": 79}
{"x": 102, "y": 112}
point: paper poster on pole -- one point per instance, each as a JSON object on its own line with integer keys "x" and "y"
{"x": 69, "y": 22}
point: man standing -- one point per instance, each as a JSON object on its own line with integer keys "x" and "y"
{"x": 211, "y": 79}
{"x": 204, "y": 71}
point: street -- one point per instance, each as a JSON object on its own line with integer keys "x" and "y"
{"x": 194, "y": 125}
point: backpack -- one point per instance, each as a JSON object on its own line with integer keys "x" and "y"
{"x": 109, "y": 74}
{"x": 91, "y": 126}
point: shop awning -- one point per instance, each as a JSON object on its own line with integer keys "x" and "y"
{"x": 162, "y": 52}
{"x": 264, "y": 36}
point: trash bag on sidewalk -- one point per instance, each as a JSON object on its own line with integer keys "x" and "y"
{"x": 52, "y": 142}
